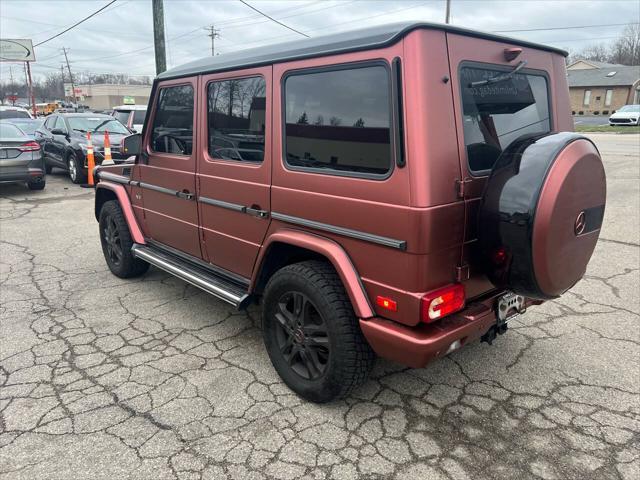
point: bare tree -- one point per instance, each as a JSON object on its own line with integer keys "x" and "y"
{"x": 626, "y": 49}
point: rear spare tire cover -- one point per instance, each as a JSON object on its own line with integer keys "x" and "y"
{"x": 541, "y": 214}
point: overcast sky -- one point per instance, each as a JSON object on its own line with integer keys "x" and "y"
{"x": 120, "y": 38}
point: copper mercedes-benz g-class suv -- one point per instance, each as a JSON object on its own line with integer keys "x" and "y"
{"x": 400, "y": 190}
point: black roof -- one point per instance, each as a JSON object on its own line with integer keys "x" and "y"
{"x": 364, "y": 39}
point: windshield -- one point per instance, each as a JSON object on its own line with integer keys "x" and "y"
{"x": 10, "y": 131}
{"x": 630, "y": 108}
{"x": 96, "y": 124}
{"x": 496, "y": 114}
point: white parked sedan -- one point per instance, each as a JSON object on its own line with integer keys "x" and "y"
{"x": 627, "y": 115}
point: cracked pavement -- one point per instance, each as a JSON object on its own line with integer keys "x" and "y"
{"x": 103, "y": 378}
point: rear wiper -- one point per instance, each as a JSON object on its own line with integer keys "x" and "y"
{"x": 499, "y": 78}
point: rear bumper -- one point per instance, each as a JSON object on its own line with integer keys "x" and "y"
{"x": 417, "y": 346}
{"x": 17, "y": 174}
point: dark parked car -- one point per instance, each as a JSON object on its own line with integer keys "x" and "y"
{"x": 64, "y": 141}
{"x": 404, "y": 189}
{"x": 20, "y": 158}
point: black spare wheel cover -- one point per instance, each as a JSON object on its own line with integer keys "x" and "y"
{"x": 541, "y": 214}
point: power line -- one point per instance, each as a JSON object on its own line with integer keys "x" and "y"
{"x": 273, "y": 19}
{"x": 77, "y": 23}
{"x": 566, "y": 28}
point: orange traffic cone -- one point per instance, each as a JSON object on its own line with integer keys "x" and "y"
{"x": 91, "y": 163}
{"x": 107, "y": 147}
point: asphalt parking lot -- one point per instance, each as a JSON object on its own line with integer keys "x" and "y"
{"x": 102, "y": 378}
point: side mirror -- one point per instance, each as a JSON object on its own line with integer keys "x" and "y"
{"x": 131, "y": 144}
{"x": 58, "y": 131}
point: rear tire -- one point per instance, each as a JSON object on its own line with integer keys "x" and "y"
{"x": 36, "y": 185}
{"x": 76, "y": 169}
{"x": 48, "y": 169}
{"x": 117, "y": 242}
{"x": 311, "y": 333}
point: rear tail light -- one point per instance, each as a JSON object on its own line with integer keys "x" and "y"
{"x": 443, "y": 302}
{"x": 29, "y": 147}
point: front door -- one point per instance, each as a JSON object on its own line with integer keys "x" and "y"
{"x": 234, "y": 169}
{"x": 167, "y": 168}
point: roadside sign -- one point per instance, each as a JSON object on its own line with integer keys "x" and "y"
{"x": 128, "y": 100}
{"x": 16, "y": 50}
{"x": 68, "y": 90}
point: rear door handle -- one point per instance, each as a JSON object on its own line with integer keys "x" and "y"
{"x": 185, "y": 194}
{"x": 254, "y": 210}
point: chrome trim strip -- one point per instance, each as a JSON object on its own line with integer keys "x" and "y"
{"x": 114, "y": 177}
{"x": 347, "y": 232}
{"x": 222, "y": 204}
{"x": 156, "y": 188}
{"x": 144, "y": 254}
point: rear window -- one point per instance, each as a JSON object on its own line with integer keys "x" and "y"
{"x": 14, "y": 114}
{"x": 495, "y": 114}
{"x": 339, "y": 121}
{"x": 10, "y": 131}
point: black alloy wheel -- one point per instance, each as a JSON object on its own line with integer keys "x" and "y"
{"x": 302, "y": 335}
{"x": 117, "y": 242}
{"x": 112, "y": 240}
{"x": 311, "y": 333}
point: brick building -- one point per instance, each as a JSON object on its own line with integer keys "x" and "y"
{"x": 602, "y": 88}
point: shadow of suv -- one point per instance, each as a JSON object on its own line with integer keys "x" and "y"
{"x": 401, "y": 190}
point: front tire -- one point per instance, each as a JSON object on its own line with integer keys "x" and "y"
{"x": 311, "y": 333}
{"x": 76, "y": 169}
{"x": 117, "y": 242}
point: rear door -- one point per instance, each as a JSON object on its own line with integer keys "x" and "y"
{"x": 167, "y": 168}
{"x": 234, "y": 169}
{"x": 489, "y": 116}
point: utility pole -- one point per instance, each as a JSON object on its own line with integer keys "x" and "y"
{"x": 30, "y": 82}
{"x": 11, "y": 74}
{"x": 213, "y": 34}
{"x": 64, "y": 96}
{"x": 73, "y": 86}
{"x": 158, "y": 36}
{"x": 448, "y": 15}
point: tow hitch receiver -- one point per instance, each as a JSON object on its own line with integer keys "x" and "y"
{"x": 508, "y": 306}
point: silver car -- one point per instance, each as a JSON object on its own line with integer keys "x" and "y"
{"x": 20, "y": 158}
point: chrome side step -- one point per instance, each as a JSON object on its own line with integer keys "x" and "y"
{"x": 197, "y": 276}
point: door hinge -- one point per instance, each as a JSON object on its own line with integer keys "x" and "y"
{"x": 460, "y": 187}
{"x": 462, "y": 273}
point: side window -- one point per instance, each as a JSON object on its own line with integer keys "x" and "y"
{"x": 236, "y": 117}
{"x": 48, "y": 124}
{"x": 173, "y": 121}
{"x": 339, "y": 121}
{"x": 122, "y": 116}
{"x": 60, "y": 124}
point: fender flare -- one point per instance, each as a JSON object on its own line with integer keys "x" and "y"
{"x": 330, "y": 250}
{"x": 127, "y": 209}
